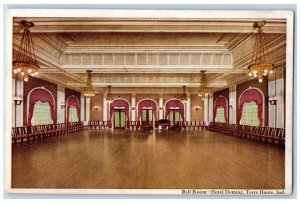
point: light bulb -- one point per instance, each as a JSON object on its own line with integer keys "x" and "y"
{"x": 250, "y": 74}
{"x": 254, "y": 71}
{"x": 265, "y": 73}
{"x": 19, "y": 70}
{"x": 255, "y": 75}
{"x": 32, "y": 74}
{"x": 15, "y": 71}
{"x": 22, "y": 73}
{"x": 26, "y": 79}
{"x": 29, "y": 70}
{"x": 271, "y": 71}
{"x": 260, "y": 80}
{"x": 36, "y": 73}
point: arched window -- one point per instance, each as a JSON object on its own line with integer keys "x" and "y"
{"x": 250, "y": 111}
{"x": 41, "y": 107}
{"x": 220, "y": 110}
{"x": 220, "y": 116}
{"x": 250, "y": 114}
{"x": 41, "y": 114}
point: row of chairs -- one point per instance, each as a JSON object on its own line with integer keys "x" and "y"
{"x": 27, "y": 133}
{"x": 99, "y": 124}
{"x": 263, "y": 134}
{"x": 135, "y": 125}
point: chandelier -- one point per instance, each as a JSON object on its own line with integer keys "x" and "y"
{"x": 109, "y": 97}
{"x": 25, "y": 63}
{"x": 184, "y": 95}
{"x": 89, "y": 92}
{"x": 203, "y": 91}
{"x": 260, "y": 66}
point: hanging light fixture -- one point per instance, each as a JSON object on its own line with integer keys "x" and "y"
{"x": 89, "y": 92}
{"x": 184, "y": 95}
{"x": 109, "y": 97}
{"x": 203, "y": 91}
{"x": 260, "y": 66}
{"x": 25, "y": 63}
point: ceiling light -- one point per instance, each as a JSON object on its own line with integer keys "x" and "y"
{"x": 25, "y": 62}
{"x": 259, "y": 65}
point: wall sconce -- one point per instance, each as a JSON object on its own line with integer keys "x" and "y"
{"x": 18, "y": 99}
{"x": 133, "y": 108}
{"x": 62, "y": 105}
{"x": 96, "y": 108}
{"x": 273, "y": 100}
{"x": 160, "y": 107}
{"x": 198, "y": 107}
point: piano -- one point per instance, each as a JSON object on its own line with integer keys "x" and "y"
{"x": 165, "y": 123}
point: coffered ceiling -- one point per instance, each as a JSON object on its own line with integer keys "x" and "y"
{"x": 148, "y": 55}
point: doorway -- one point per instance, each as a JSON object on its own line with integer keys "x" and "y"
{"x": 174, "y": 116}
{"x": 119, "y": 118}
{"x": 147, "y": 115}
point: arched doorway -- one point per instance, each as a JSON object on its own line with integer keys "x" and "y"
{"x": 174, "y": 111}
{"x": 119, "y": 113}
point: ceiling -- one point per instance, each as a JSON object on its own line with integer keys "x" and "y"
{"x": 139, "y": 55}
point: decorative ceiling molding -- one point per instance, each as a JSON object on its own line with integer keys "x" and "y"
{"x": 149, "y": 25}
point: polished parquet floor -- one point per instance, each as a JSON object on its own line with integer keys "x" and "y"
{"x": 145, "y": 160}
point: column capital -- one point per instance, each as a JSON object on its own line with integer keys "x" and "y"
{"x": 232, "y": 88}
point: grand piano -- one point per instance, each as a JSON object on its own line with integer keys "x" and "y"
{"x": 165, "y": 123}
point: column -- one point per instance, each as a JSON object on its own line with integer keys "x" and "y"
{"x": 211, "y": 108}
{"x": 280, "y": 103}
{"x": 81, "y": 108}
{"x": 60, "y": 102}
{"x": 161, "y": 110}
{"x": 232, "y": 104}
{"x": 206, "y": 111}
{"x": 272, "y": 108}
{"x": 104, "y": 108}
{"x": 87, "y": 108}
{"x": 19, "y": 108}
{"x": 188, "y": 108}
{"x": 133, "y": 112}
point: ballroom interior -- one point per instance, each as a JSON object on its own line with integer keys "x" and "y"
{"x": 148, "y": 103}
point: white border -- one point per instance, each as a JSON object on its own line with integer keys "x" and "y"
{"x": 288, "y": 15}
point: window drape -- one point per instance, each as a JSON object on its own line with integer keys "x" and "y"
{"x": 251, "y": 95}
{"x": 43, "y": 96}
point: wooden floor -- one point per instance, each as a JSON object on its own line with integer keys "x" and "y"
{"x": 142, "y": 160}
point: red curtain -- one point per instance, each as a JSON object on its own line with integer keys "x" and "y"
{"x": 73, "y": 101}
{"x": 118, "y": 103}
{"x": 146, "y": 104}
{"x": 174, "y": 104}
{"x": 251, "y": 95}
{"x": 220, "y": 101}
{"x": 43, "y": 96}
